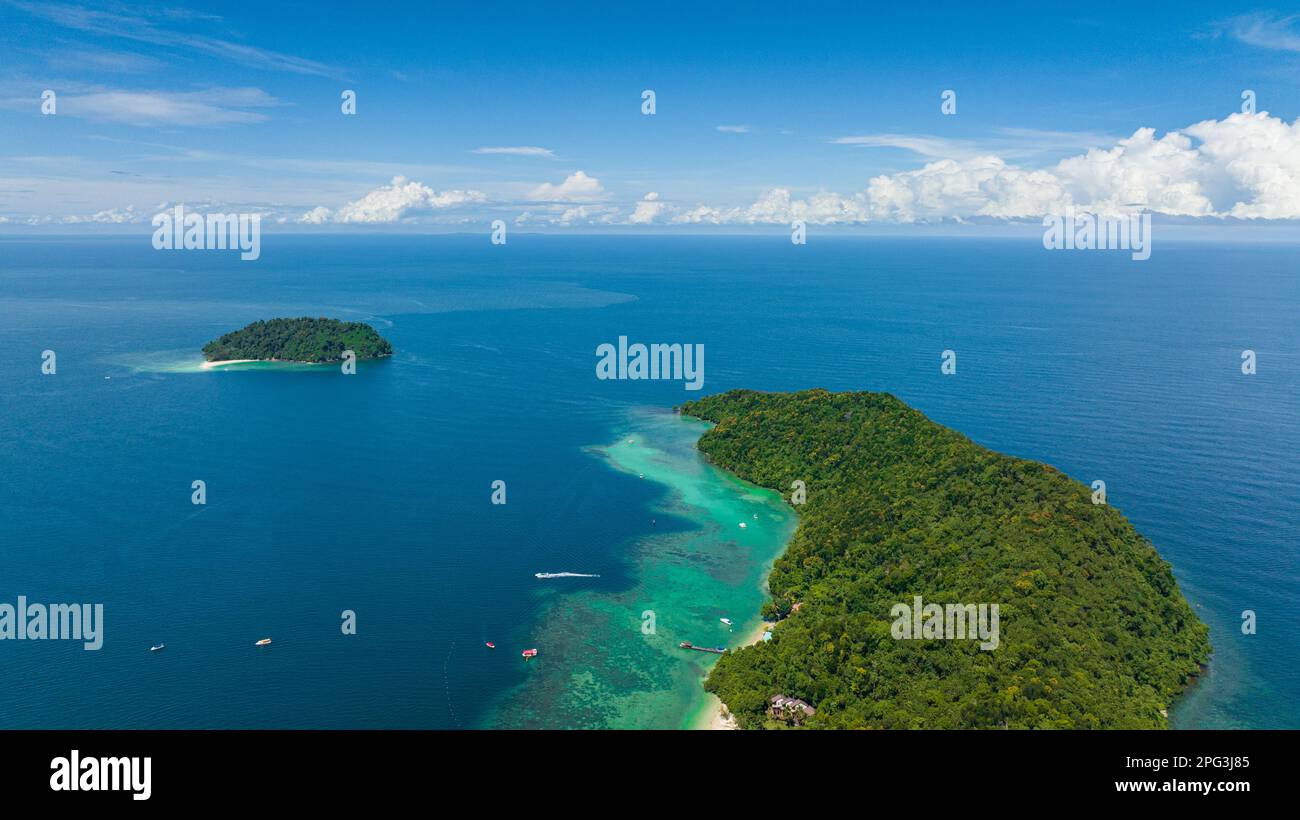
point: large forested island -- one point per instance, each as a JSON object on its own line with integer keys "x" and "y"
{"x": 298, "y": 340}
{"x": 1094, "y": 632}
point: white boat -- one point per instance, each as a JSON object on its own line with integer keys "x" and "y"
{"x": 545, "y": 575}
{"x": 743, "y": 525}
{"x": 726, "y": 621}
{"x": 158, "y": 647}
{"x": 263, "y": 642}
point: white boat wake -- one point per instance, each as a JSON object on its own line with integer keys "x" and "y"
{"x": 564, "y": 575}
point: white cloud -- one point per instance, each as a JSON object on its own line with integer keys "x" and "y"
{"x": 981, "y": 186}
{"x": 518, "y": 150}
{"x": 734, "y": 129}
{"x": 316, "y": 216}
{"x": 1007, "y": 143}
{"x": 400, "y": 199}
{"x": 1245, "y": 166}
{"x": 1259, "y": 157}
{"x": 112, "y": 216}
{"x": 563, "y": 215}
{"x": 112, "y": 23}
{"x": 926, "y": 146}
{"x": 577, "y": 187}
{"x": 1164, "y": 174}
{"x": 1266, "y": 31}
{"x": 216, "y": 106}
{"x": 647, "y": 210}
{"x": 701, "y": 214}
{"x": 591, "y": 214}
{"x": 1034, "y": 140}
{"x": 777, "y": 205}
{"x": 81, "y": 58}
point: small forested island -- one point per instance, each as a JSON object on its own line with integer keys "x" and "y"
{"x": 1094, "y": 632}
{"x": 298, "y": 340}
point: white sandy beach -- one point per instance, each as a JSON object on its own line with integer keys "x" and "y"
{"x": 209, "y": 365}
{"x": 716, "y": 716}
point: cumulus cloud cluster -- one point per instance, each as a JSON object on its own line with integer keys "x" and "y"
{"x": 1245, "y": 166}
{"x": 575, "y": 199}
{"x": 112, "y": 216}
{"x": 400, "y": 199}
{"x": 647, "y": 210}
{"x": 576, "y": 187}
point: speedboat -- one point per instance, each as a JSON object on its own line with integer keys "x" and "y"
{"x": 743, "y": 525}
{"x": 529, "y": 653}
{"x": 490, "y": 645}
{"x": 263, "y": 642}
{"x": 726, "y": 621}
{"x": 158, "y": 647}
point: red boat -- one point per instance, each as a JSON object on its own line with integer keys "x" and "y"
{"x": 530, "y": 653}
{"x": 491, "y": 645}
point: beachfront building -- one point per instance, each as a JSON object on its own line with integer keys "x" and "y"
{"x": 790, "y": 710}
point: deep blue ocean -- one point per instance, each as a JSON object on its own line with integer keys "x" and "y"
{"x": 372, "y": 493}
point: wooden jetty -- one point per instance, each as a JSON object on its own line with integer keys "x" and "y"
{"x": 688, "y": 645}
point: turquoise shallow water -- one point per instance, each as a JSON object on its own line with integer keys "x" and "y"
{"x": 372, "y": 492}
{"x": 612, "y": 657}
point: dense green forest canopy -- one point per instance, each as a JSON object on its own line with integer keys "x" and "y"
{"x": 299, "y": 340}
{"x": 1094, "y": 630}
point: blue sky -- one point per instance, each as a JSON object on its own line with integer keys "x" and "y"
{"x": 764, "y": 112}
